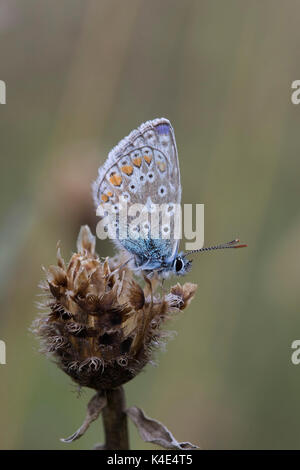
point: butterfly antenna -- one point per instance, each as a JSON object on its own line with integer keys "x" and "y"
{"x": 222, "y": 246}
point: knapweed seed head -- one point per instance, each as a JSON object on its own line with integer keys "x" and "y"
{"x": 100, "y": 325}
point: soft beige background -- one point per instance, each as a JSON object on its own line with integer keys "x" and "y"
{"x": 80, "y": 75}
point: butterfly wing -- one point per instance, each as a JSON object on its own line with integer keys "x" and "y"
{"x": 143, "y": 169}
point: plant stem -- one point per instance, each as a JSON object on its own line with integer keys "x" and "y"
{"x": 115, "y": 421}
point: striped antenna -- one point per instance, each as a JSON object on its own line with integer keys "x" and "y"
{"x": 222, "y": 246}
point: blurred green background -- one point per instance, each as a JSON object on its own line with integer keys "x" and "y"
{"x": 80, "y": 75}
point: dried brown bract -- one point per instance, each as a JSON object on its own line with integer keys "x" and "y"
{"x": 100, "y": 325}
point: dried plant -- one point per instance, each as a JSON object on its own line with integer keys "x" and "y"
{"x": 102, "y": 327}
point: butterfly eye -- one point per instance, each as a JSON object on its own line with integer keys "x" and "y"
{"x": 178, "y": 265}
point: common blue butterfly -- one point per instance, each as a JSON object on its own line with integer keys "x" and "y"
{"x": 144, "y": 169}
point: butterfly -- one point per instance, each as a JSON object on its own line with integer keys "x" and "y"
{"x": 144, "y": 169}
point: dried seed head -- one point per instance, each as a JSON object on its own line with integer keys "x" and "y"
{"x": 101, "y": 327}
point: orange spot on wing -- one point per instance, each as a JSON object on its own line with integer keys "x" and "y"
{"x": 115, "y": 179}
{"x": 148, "y": 158}
{"x": 104, "y": 197}
{"x": 128, "y": 169}
{"x": 161, "y": 166}
{"x": 109, "y": 193}
{"x": 137, "y": 161}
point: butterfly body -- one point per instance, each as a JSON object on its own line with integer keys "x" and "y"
{"x": 154, "y": 255}
{"x": 143, "y": 169}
